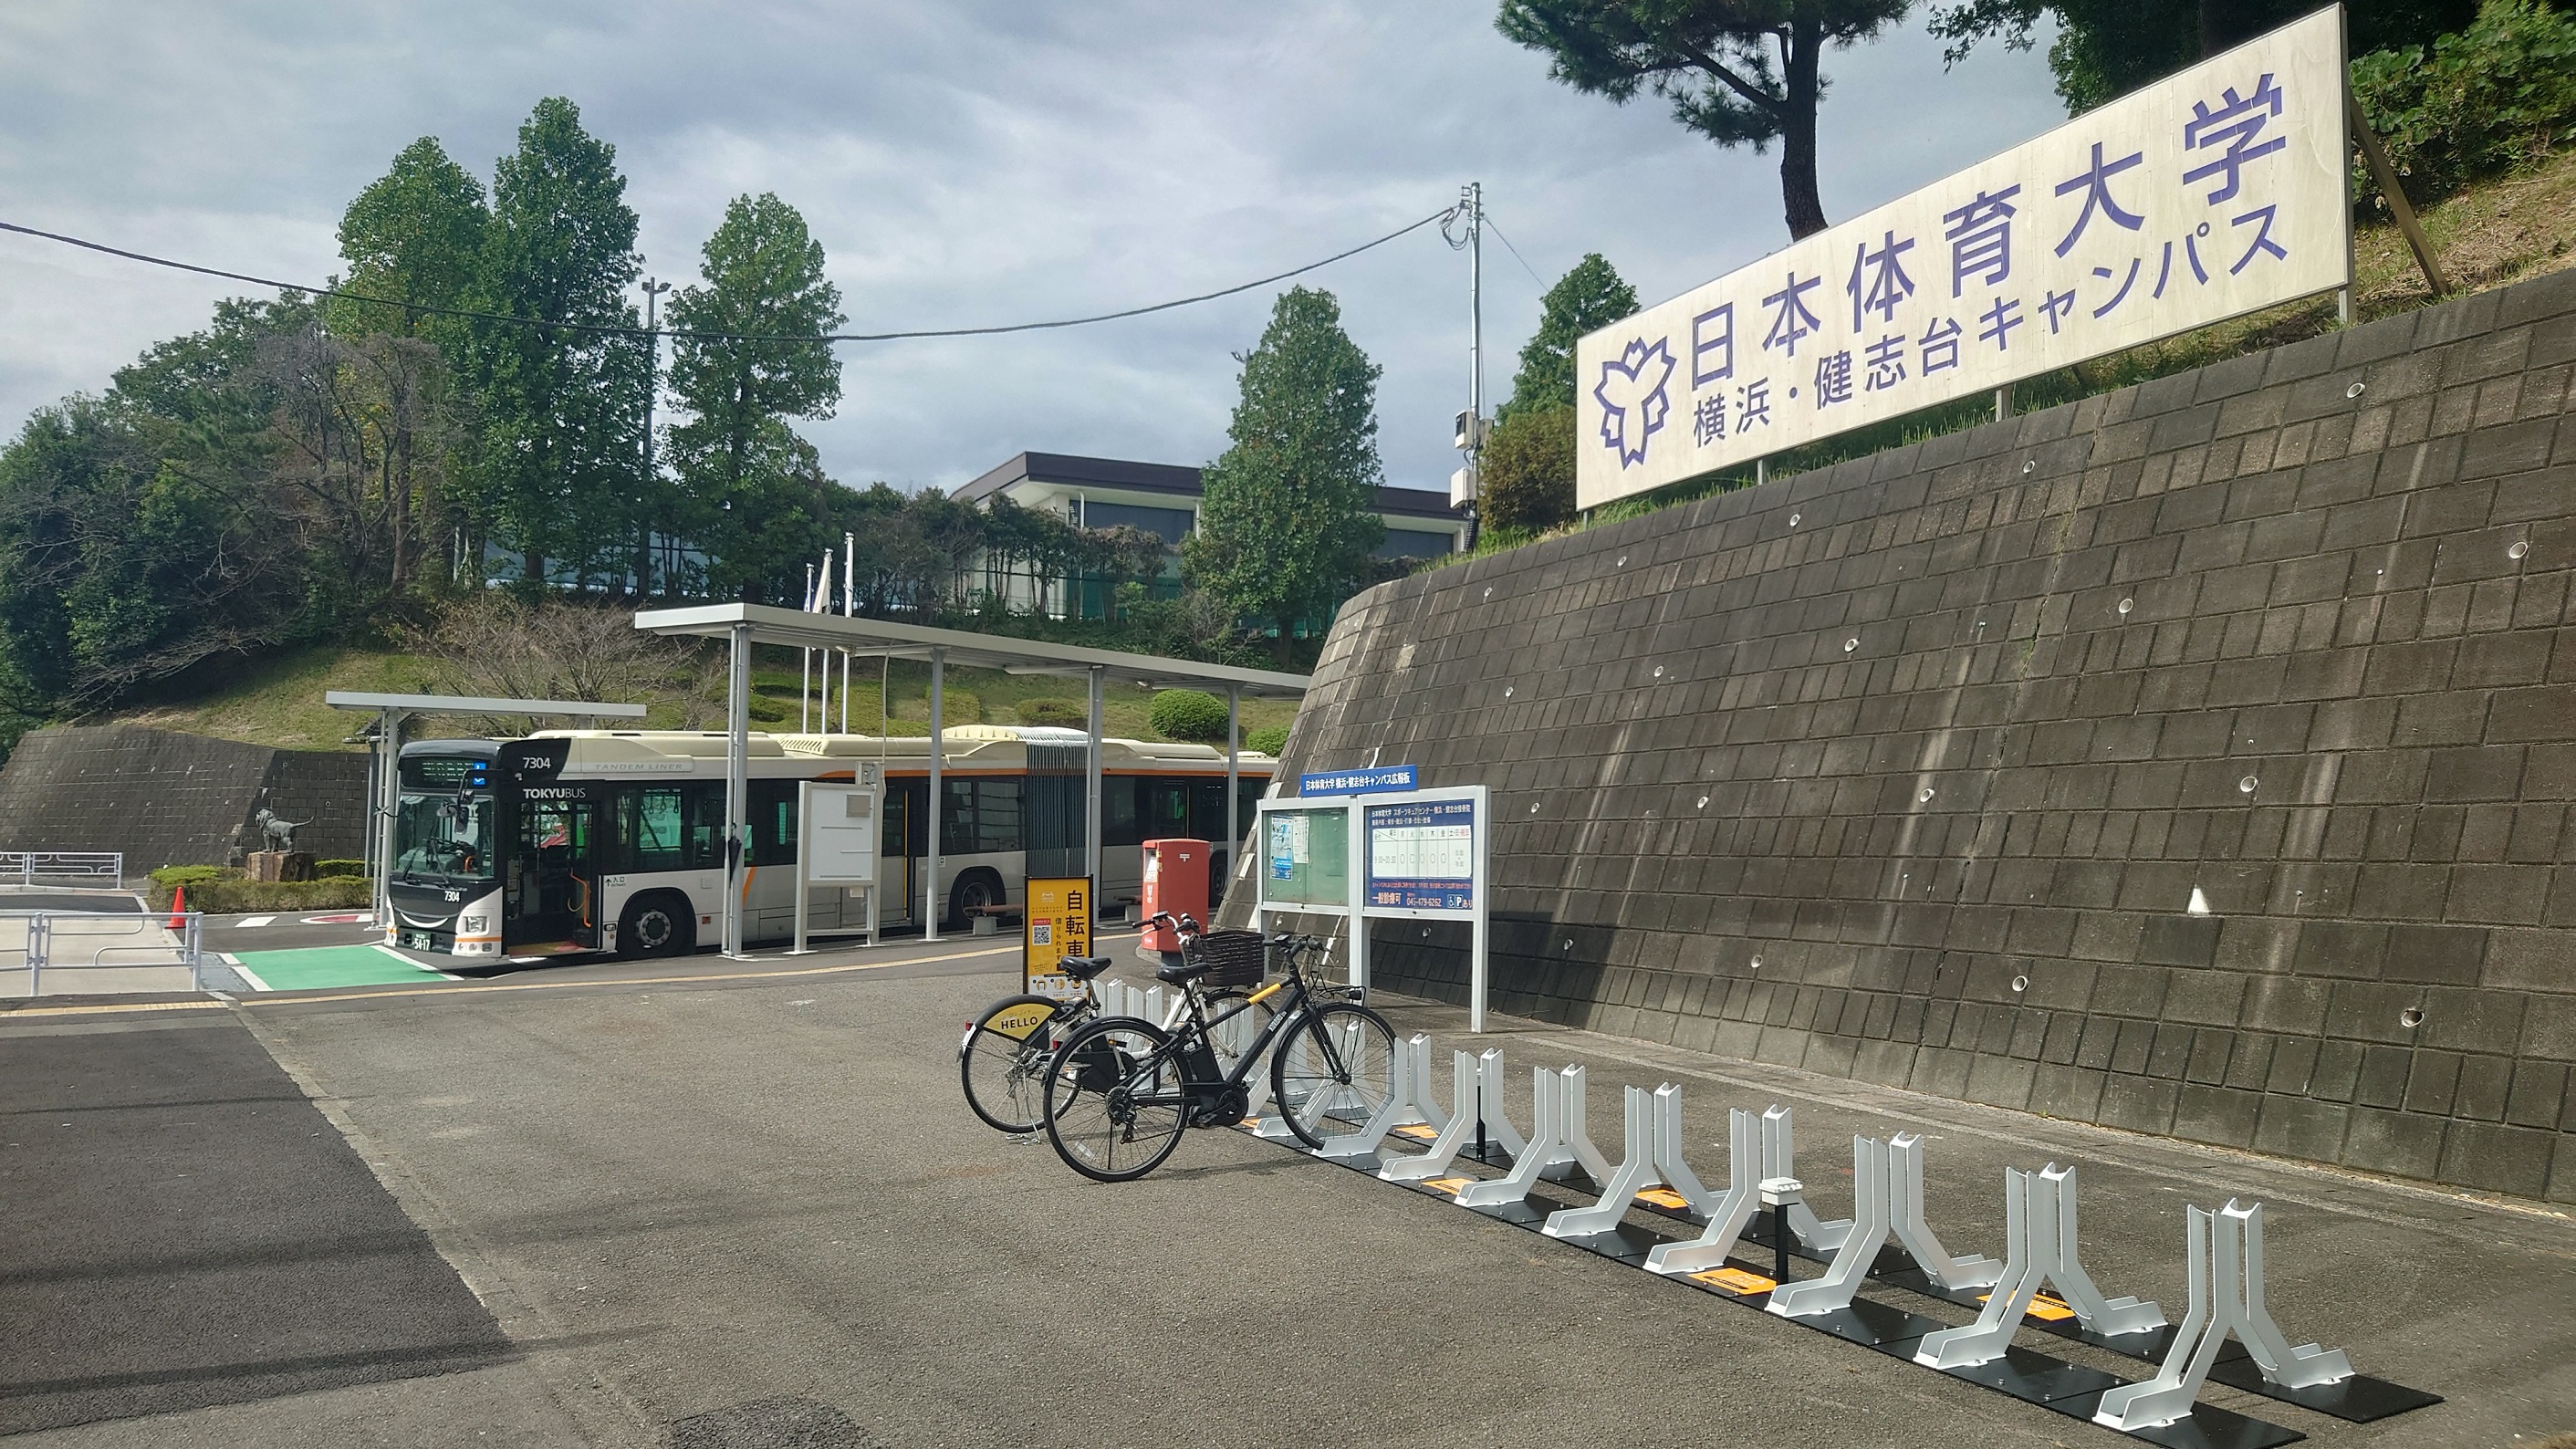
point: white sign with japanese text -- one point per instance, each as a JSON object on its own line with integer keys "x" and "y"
{"x": 2216, "y": 192}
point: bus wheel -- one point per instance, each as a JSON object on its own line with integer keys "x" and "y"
{"x": 973, "y": 889}
{"x": 655, "y": 925}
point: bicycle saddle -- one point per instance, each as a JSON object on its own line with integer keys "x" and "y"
{"x": 1083, "y": 968}
{"x": 1185, "y": 973}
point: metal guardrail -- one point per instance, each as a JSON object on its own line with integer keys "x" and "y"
{"x": 31, "y": 866}
{"x": 48, "y": 949}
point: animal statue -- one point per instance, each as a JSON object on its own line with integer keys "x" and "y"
{"x": 275, "y": 833}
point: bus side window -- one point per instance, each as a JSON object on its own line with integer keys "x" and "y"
{"x": 1118, "y": 797}
{"x": 773, "y": 822}
{"x": 997, "y": 815}
{"x": 656, "y": 836}
{"x": 706, "y": 827}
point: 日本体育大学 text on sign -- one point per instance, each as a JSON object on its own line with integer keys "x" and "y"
{"x": 2216, "y": 192}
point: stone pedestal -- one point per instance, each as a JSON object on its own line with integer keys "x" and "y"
{"x": 280, "y": 865}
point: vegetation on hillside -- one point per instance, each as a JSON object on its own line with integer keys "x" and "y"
{"x": 2503, "y": 169}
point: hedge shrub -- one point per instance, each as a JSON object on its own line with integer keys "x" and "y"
{"x": 1188, "y": 714}
{"x": 1267, "y": 742}
{"x": 225, "y": 895}
{"x": 1057, "y": 713}
{"x": 2496, "y": 97}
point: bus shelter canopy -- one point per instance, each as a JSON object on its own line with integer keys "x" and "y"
{"x": 745, "y": 625}
{"x": 798, "y": 629}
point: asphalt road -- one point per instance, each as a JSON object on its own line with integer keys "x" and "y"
{"x": 712, "y": 1204}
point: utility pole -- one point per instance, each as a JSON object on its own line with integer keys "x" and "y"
{"x": 1467, "y": 484}
{"x": 653, "y": 291}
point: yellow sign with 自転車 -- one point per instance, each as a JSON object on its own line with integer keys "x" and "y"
{"x": 1055, "y": 924}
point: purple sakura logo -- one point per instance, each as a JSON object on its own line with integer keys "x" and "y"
{"x": 1631, "y": 394}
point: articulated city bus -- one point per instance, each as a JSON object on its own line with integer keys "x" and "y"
{"x": 577, "y": 841}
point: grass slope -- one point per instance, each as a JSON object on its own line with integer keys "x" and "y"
{"x": 279, "y": 701}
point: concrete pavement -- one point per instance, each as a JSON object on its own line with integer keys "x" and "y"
{"x": 711, "y": 1203}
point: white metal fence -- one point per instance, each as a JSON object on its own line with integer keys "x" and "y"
{"x": 89, "y": 867}
{"x": 45, "y": 944}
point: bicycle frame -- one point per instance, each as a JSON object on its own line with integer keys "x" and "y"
{"x": 1194, "y": 1033}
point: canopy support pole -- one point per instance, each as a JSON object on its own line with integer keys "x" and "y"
{"x": 930, "y": 877}
{"x": 737, "y": 785}
{"x": 1233, "y": 788}
{"x": 1091, "y": 792}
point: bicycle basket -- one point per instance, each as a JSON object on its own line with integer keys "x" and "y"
{"x": 1234, "y": 958}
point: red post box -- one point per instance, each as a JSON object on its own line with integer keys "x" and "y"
{"x": 1176, "y": 880}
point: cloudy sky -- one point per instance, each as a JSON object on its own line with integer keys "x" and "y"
{"x": 963, "y": 164}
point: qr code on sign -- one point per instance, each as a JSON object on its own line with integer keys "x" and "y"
{"x": 1043, "y": 933}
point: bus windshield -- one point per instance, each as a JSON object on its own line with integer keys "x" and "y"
{"x": 445, "y": 834}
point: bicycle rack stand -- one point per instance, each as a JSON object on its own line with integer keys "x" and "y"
{"x": 1653, "y": 1158}
{"x": 1547, "y": 1132}
{"x": 2224, "y": 1251}
{"x": 1466, "y": 1075}
{"x": 1905, "y": 1211}
{"x": 1833, "y": 1291}
{"x": 1407, "y": 1102}
{"x": 2039, "y": 1230}
{"x": 1729, "y": 1215}
{"x": 1779, "y": 1159}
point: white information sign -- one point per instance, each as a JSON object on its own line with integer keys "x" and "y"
{"x": 842, "y": 831}
{"x": 2215, "y": 192}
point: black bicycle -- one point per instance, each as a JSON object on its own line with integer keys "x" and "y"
{"x": 1121, "y": 1090}
{"x": 1002, "y": 1059}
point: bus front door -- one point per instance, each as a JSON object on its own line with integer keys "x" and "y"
{"x": 551, "y": 907}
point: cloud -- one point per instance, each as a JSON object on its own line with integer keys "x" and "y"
{"x": 963, "y": 165}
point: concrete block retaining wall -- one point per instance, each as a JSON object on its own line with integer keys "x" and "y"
{"x": 166, "y": 798}
{"x": 1909, "y": 769}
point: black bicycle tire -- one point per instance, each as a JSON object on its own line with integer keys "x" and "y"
{"x": 1311, "y": 1022}
{"x": 1057, "y": 1016}
{"x": 1060, "y": 1085}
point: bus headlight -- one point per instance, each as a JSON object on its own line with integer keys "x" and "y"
{"x": 472, "y": 925}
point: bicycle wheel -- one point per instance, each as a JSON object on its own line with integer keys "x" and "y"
{"x": 1114, "y": 1106}
{"x": 1002, "y": 1061}
{"x": 1334, "y": 1070}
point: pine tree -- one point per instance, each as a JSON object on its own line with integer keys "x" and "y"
{"x": 562, "y": 407}
{"x": 1713, "y": 60}
{"x": 1285, "y": 523}
{"x": 763, "y": 277}
{"x": 414, "y": 235}
{"x": 1587, "y": 298}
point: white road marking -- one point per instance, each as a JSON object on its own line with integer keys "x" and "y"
{"x": 253, "y": 921}
{"x": 244, "y": 972}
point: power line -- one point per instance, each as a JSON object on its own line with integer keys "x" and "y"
{"x": 1515, "y": 251}
{"x": 614, "y": 330}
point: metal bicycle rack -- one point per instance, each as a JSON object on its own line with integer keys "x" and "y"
{"x": 2228, "y": 1337}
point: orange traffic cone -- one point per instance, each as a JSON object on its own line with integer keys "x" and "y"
{"x": 178, "y": 908}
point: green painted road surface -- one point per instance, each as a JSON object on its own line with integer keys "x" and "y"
{"x": 333, "y": 966}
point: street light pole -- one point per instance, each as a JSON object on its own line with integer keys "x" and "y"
{"x": 653, "y": 291}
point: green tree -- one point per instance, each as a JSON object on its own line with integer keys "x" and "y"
{"x": 1285, "y": 526}
{"x": 562, "y": 407}
{"x": 1528, "y": 468}
{"x": 1712, "y": 59}
{"x": 2108, "y": 48}
{"x": 414, "y": 236}
{"x": 1587, "y": 298}
{"x": 736, "y": 456}
{"x": 142, "y": 534}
